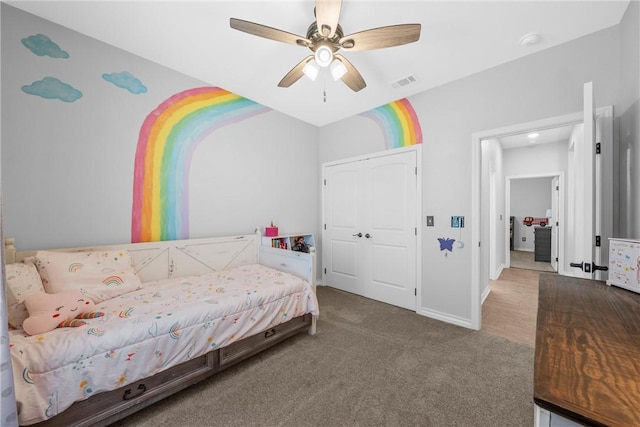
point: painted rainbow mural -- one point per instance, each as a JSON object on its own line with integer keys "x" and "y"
{"x": 398, "y": 122}
{"x": 167, "y": 140}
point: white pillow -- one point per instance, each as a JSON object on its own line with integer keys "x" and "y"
{"x": 22, "y": 281}
{"x": 99, "y": 275}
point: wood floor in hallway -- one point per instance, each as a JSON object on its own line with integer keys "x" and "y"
{"x": 511, "y": 308}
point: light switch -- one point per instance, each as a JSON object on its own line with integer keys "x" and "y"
{"x": 430, "y": 221}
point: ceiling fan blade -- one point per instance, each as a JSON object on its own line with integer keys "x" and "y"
{"x": 295, "y": 73}
{"x": 352, "y": 77}
{"x": 377, "y": 38}
{"x": 268, "y": 32}
{"x": 327, "y": 16}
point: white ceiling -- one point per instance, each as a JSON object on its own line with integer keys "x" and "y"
{"x": 458, "y": 38}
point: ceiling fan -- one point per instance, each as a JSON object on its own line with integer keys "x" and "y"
{"x": 325, "y": 38}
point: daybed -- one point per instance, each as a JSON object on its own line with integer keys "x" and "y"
{"x": 202, "y": 306}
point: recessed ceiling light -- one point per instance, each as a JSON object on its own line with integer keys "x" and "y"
{"x": 533, "y": 135}
{"x": 530, "y": 39}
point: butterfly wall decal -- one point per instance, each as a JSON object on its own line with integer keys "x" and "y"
{"x": 446, "y": 244}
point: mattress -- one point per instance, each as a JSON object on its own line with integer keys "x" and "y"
{"x": 150, "y": 330}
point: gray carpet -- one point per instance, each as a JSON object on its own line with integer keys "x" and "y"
{"x": 370, "y": 364}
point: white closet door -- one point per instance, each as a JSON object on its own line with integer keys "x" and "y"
{"x": 390, "y": 222}
{"x": 344, "y": 196}
{"x": 370, "y": 228}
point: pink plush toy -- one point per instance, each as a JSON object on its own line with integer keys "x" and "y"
{"x": 49, "y": 311}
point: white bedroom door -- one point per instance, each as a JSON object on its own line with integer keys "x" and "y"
{"x": 370, "y": 231}
{"x": 587, "y": 194}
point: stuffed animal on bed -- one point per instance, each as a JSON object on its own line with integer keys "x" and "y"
{"x": 50, "y": 311}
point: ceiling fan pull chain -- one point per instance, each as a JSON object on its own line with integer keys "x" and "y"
{"x": 324, "y": 88}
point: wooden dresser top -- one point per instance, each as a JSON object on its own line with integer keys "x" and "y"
{"x": 587, "y": 354}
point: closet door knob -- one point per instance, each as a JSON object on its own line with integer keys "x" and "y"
{"x": 359, "y": 235}
{"x": 368, "y": 236}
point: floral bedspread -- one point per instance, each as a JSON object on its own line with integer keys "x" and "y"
{"x": 150, "y": 330}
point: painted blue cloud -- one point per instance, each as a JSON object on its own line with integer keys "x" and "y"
{"x": 42, "y": 45}
{"x": 126, "y": 80}
{"x": 52, "y": 88}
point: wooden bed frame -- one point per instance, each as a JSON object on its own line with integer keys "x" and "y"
{"x": 178, "y": 258}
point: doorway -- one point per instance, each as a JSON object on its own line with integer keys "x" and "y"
{"x": 530, "y": 169}
{"x": 480, "y": 269}
{"x": 536, "y": 245}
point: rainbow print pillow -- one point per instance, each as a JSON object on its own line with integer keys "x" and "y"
{"x": 22, "y": 281}
{"x": 99, "y": 275}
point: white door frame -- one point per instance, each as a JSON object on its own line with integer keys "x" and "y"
{"x": 494, "y": 272}
{"x": 476, "y": 179}
{"x": 560, "y": 214}
{"x": 555, "y": 209}
{"x": 418, "y": 150}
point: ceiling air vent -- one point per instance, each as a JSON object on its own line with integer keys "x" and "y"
{"x": 404, "y": 82}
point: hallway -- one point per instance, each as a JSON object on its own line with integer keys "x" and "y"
{"x": 511, "y": 308}
{"x": 524, "y": 259}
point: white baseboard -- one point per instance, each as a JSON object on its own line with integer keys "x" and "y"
{"x": 455, "y": 320}
{"x": 499, "y": 272}
{"x": 485, "y": 294}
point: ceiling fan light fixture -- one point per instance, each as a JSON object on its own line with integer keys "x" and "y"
{"x": 337, "y": 69}
{"x": 311, "y": 70}
{"x": 325, "y": 38}
{"x": 324, "y": 56}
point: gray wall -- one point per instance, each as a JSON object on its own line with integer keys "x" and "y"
{"x": 539, "y": 86}
{"x": 628, "y": 115}
{"x": 67, "y": 168}
{"x": 544, "y": 158}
